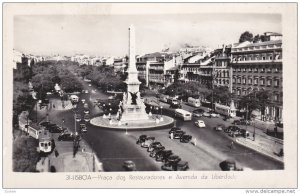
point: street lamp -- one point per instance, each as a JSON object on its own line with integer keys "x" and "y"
{"x": 161, "y": 111}
{"x": 62, "y": 125}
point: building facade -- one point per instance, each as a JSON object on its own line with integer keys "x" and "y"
{"x": 256, "y": 67}
{"x": 222, "y": 67}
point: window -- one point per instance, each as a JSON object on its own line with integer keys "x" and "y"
{"x": 250, "y": 81}
{"x": 239, "y": 80}
{"x": 269, "y": 82}
{"x": 238, "y": 92}
{"x": 255, "y": 81}
{"x": 276, "y": 83}
{"x": 276, "y": 70}
{"x": 276, "y": 97}
{"x": 233, "y": 80}
{"x": 255, "y": 69}
{"x": 263, "y": 58}
{"x": 271, "y": 58}
{"x": 244, "y": 80}
{"x": 262, "y": 81}
{"x": 42, "y": 144}
{"x": 244, "y": 69}
{"x": 250, "y": 69}
{"x": 262, "y": 70}
{"x": 269, "y": 70}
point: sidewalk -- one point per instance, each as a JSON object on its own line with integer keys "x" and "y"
{"x": 269, "y": 147}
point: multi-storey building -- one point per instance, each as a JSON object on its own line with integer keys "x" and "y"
{"x": 152, "y": 67}
{"x": 197, "y": 68}
{"x": 221, "y": 66}
{"x": 256, "y": 67}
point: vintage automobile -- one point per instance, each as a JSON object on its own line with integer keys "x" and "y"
{"x": 174, "y": 129}
{"x": 198, "y": 112}
{"x": 148, "y": 142}
{"x": 83, "y": 128}
{"x": 219, "y": 127}
{"x": 66, "y": 137}
{"x": 176, "y": 134}
{"x": 86, "y": 117}
{"x": 172, "y": 158}
{"x": 78, "y": 117}
{"x": 180, "y": 166}
{"x": 129, "y": 165}
{"x": 185, "y": 138}
{"x": 241, "y": 122}
{"x": 244, "y": 133}
{"x": 156, "y": 150}
{"x": 161, "y": 155}
{"x": 214, "y": 115}
{"x": 53, "y": 128}
{"x": 153, "y": 146}
{"x": 141, "y": 139}
{"x": 206, "y": 114}
{"x": 231, "y": 128}
{"x": 229, "y": 165}
{"x": 200, "y": 123}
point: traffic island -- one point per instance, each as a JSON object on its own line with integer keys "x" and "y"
{"x": 154, "y": 122}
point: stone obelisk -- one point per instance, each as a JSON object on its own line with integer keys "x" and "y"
{"x": 133, "y": 106}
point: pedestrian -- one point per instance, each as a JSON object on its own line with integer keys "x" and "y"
{"x": 56, "y": 153}
{"x": 195, "y": 142}
{"x": 231, "y": 145}
{"x": 171, "y": 136}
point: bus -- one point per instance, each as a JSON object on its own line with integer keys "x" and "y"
{"x": 225, "y": 110}
{"x": 45, "y": 142}
{"x": 185, "y": 115}
{"x": 194, "y": 102}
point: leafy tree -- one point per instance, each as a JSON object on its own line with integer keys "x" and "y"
{"x": 246, "y": 36}
{"x": 257, "y": 100}
{"x": 256, "y": 38}
{"x": 25, "y": 155}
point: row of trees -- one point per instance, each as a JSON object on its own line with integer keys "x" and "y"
{"x": 248, "y": 36}
{"x": 103, "y": 76}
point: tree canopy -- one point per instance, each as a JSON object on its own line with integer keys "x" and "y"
{"x": 246, "y": 36}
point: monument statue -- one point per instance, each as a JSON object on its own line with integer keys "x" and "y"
{"x": 133, "y": 97}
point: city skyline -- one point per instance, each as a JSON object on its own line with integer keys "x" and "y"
{"x": 106, "y": 35}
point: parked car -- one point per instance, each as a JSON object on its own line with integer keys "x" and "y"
{"x": 241, "y": 122}
{"x": 45, "y": 123}
{"x": 174, "y": 129}
{"x": 153, "y": 145}
{"x": 86, "y": 117}
{"x": 244, "y": 133}
{"x": 206, "y": 114}
{"x": 172, "y": 158}
{"x": 141, "y": 139}
{"x": 180, "y": 166}
{"x": 83, "y": 127}
{"x": 177, "y": 134}
{"x": 161, "y": 155}
{"x": 53, "y": 128}
{"x": 200, "y": 123}
{"x": 219, "y": 127}
{"x": 129, "y": 165}
{"x": 156, "y": 150}
{"x": 185, "y": 138}
{"x": 231, "y": 128}
{"x": 147, "y": 142}
{"x": 66, "y": 137}
{"x": 78, "y": 117}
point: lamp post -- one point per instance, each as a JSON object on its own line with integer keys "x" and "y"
{"x": 213, "y": 75}
{"x": 62, "y": 125}
{"x": 161, "y": 111}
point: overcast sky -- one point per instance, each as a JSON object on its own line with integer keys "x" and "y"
{"x": 104, "y": 35}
